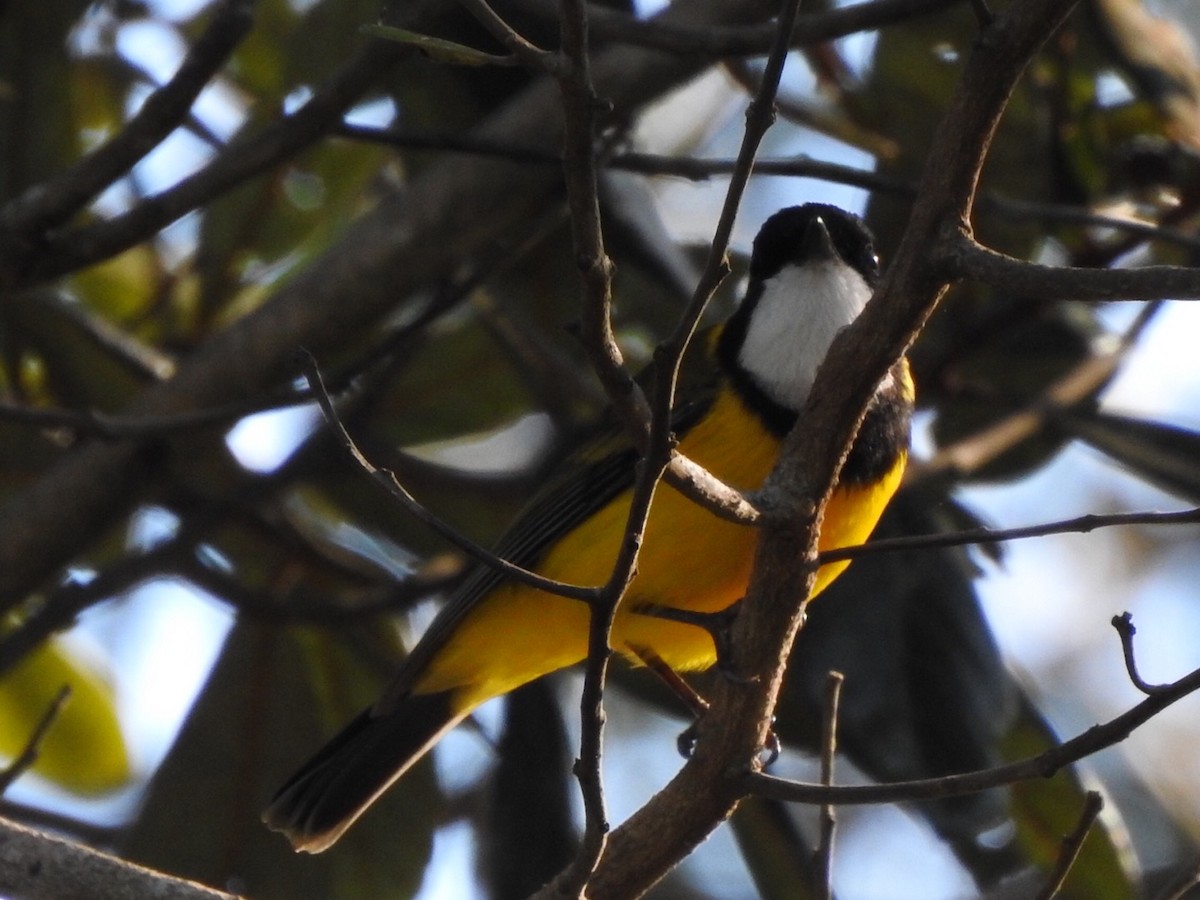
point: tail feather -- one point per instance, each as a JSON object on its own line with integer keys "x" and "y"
{"x": 336, "y": 786}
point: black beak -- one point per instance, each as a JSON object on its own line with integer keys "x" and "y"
{"x": 817, "y": 245}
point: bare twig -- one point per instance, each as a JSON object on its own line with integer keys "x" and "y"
{"x": 528, "y": 53}
{"x": 827, "y": 118}
{"x": 49, "y": 204}
{"x": 684, "y": 475}
{"x": 1044, "y": 765}
{"x": 1071, "y": 846}
{"x": 800, "y": 166}
{"x": 29, "y": 753}
{"x": 973, "y": 536}
{"x": 116, "y": 427}
{"x": 828, "y": 820}
{"x": 747, "y": 40}
{"x": 966, "y": 259}
{"x": 1124, "y": 626}
{"x": 393, "y": 486}
{"x": 580, "y": 169}
{"x": 580, "y": 105}
{"x": 76, "y": 248}
{"x": 299, "y": 606}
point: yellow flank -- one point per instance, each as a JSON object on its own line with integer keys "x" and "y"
{"x": 690, "y": 559}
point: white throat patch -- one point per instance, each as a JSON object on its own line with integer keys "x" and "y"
{"x": 800, "y": 311}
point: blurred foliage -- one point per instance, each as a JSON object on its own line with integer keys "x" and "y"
{"x": 88, "y": 719}
{"x": 480, "y": 364}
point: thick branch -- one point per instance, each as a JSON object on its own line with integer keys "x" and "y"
{"x": 78, "y": 248}
{"x": 50, "y": 204}
{"x": 451, "y": 211}
{"x": 703, "y": 793}
{"x": 33, "y": 864}
{"x": 968, "y": 260}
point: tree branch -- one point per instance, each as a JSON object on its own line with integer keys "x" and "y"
{"x": 799, "y": 166}
{"x": 29, "y": 753}
{"x": 823, "y": 858}
{"x": 1044, "y": 765}
{"x": 34, "y": 864}
{"x": 1072, "y": 845}
{"x": 392, "y": 485}
{"x": 53, "y": 202}
{"x": 529, "y": 54}
{"x": 968, "y": 455}
{"x": 580, "y": 106}
{"x": 451, "y": 211}
{"x": 966, "y": 259}
{"x": 704, "y": 792}
{"x": 718, "y": 42}
{"x": 77, "y": 248}
{"x": 979, "y": 536}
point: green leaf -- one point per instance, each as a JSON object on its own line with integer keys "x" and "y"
{"x": 272, "y": 699}
{"x": 436, "y": 48}
{"x": 84, "y": 750}
{"x": 1046, "y": 810}
{"x": 1165, "y": 455}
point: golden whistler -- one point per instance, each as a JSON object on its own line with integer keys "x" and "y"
{"x": 744, "y": 382}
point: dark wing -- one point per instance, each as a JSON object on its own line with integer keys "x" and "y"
{"x": 589, "y": 478}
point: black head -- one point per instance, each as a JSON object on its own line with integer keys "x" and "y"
{"x": 795, "y": 235}
{"x": 812, "y": 271}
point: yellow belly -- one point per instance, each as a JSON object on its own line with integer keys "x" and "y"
{"x": 690, "y": 560}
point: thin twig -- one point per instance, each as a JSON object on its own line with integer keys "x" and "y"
{"x": 527, "y": 52}
{"x": 717, "y": 42}
{"x": 29, "y": 753}
{"x": 307, "y": 607}
{"x": 982, "y": 536}
{"x": 1043, "y": 765}
{"x": 685, "y": 476}
{"x": 799, "y": 166}
{"x": 52, "y": 202}
{"x": 1124, "y": 626}
{"x": 580, "y": 170}
{"x": 1071, "y": 846}
{"x": 827, "y": 115}
{"x": 580, "y": 106}
{"x": 388, "y": 479}
{"x": 115, "y": 427}
{"x": 76, "y": 248}
{"x": 828, "y": 820}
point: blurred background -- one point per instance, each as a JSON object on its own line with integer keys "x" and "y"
{"x": 243, "y": 590}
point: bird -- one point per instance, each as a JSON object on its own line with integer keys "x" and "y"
{"x": 743, "y": 385}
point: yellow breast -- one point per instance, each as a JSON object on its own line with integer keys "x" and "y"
{"x": 690, "y": 560}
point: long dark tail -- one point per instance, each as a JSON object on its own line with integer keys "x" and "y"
{"x": 337, "y": 785}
